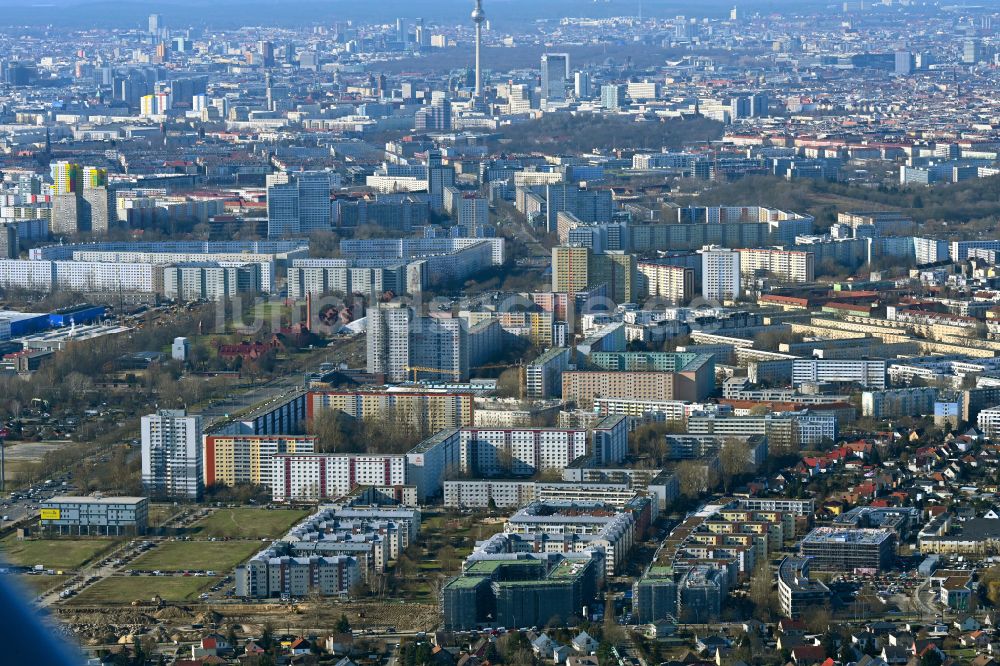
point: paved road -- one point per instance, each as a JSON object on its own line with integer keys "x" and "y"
{"x": 25, "y": 507}
{"x": 921, "y": 604}
{"x": 220, "y": 410}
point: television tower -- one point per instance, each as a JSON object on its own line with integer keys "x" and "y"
{"x": 478, "y": 16}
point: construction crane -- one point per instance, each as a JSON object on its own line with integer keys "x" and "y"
{"x": 438, "y": 371}
{"x": 522, "y": 377}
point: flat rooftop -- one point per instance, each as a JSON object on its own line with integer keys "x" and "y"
{"x": 466, "y": 582}
{"x": 829, "y": 535}
{"x": 82, "y": 499}
{"x": 568, "y": 569}
{"x": 791, "y": 572}
{"x": 488, "y": 567}
{"x": 433, "y": 441}
{"x": 549, "y": 354}
{"x": 11, "y": 315}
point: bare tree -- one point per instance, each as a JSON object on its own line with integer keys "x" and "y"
{"x": 435, "y": 584}
{"x": 691, "y": 477}
{"x": 734, "y": 458}
{"x": 509, "y": 383}
{"x": 817, "y": 619}
{"x": 762, "y": 592}
{"x": 505, "y": 460}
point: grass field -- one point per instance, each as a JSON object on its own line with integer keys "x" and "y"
{"x": 204, "y": 555}
{"x": 53, "y": 553}
{"x": 126, "y": 589}
{"x": 272, "y": 311}
{"x": 248, "y": 523}
{"x": 39, "y": 584}
{"x": 158, "y": 513}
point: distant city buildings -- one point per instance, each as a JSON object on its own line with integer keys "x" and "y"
{"x": 81, "y": 200}
{"x": 298, "y": 203}
{"x": 555, "y": 73}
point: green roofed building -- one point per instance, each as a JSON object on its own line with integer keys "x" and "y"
{"x": 654, "y": 596}
{"x": 521, "y": 591}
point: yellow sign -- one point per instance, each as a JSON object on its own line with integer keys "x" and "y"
{"x": 50, "y": 514}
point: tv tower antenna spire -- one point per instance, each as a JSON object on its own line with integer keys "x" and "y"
{"x": 478, "y": 16}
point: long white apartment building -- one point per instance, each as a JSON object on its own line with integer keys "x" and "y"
{"x": 415, "y": 248}
{"x": 868, "y": 373}
{"x": 317, "y": 476}
{"x": 265, "y": 262}
{"x": 940, "y": 368}
{"x": 282, "y": 250}
{"x": 47, "y": 276}
{"x": 525, "y": 451}
{"x": 666, "y": 410}
{"x": 510, "y": 493}
{"x": 787, "y": 265}
{"x": 671, "y": 283}
{"x": 138, "y": 267}
{"x": 324, "y": 276}
{"x": 312, "y": 477}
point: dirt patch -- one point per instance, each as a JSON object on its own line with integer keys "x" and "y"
{"x": 378, "y": 615}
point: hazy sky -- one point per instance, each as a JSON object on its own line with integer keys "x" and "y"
{"x": 256, "y": 12}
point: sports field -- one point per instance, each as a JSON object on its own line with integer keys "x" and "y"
{"x": 245, "y": 523}
{"x": 126, "y": 589}
{"x": 53, "y": 553}
{"x": 196, "y": 555}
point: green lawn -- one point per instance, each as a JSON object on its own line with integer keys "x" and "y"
{"x": 248, "y": 523}
{"x": 203, "y": 555}
{"x": 53, "y": 553}
{"x": 126, "y": 589}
